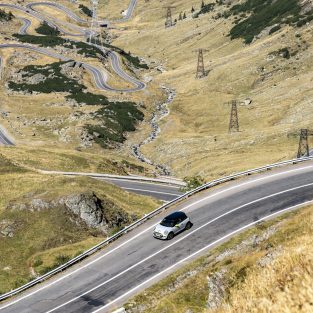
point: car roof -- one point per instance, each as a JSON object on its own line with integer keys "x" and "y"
{"x": 175, "y": 215}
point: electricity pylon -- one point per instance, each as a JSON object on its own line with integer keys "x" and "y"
{"x": 169, "y": 19}
{"x": 233, "y": 122}
{"x": 303, "y": 149}
{"x": 200, "y": 67}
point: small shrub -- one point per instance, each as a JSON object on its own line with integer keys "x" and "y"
{"x": 193, "y": 182}
{"x": 85, "y": 10}
{"x": 6, "y": 16}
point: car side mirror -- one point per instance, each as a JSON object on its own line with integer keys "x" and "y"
{"x": 176, "y": 225}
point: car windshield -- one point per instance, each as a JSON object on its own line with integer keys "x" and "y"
{"x": 168, "y": 223}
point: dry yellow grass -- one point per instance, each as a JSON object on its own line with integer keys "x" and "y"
{"x": 285, "y": 286}
{"x": 46, "y": 235}
{"x": 282, "y": 284}
{"x": 194, "y": 138}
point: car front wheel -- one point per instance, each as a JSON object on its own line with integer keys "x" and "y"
{"x": 170, "y": 236}
{"x": 188, "y": 225}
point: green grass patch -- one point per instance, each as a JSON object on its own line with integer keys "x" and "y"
{"x": 53, "y": 41}
{"x": 54, "y": 81}
{"x": 6, "y": 166}
{"x": 205, "y": 8}
{"x": 116, "y": 119}
{"x": 262, "y": 14}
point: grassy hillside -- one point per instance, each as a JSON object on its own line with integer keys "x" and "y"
{"x": 260, "y": 270}
{"x": 272, "y": 91}
{"x": 37, "y": 232}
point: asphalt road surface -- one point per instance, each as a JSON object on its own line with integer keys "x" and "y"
{"x": 164, "y": 192}
{"x": 26, "y": 24}
{"x": 4, "y": 138}
{"x": 136, "y": 260}
{"x": 100, "y": 77}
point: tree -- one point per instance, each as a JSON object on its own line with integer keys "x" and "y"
{"x": 180, "y": 16}
{"x": 184, "y": 16}
{"x": 202, "y": 4}
{"x": 192, "y": 9}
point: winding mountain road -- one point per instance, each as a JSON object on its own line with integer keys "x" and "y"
{"x": 5, "y": 139}
{"x": 26, "y": 24}
{"x": 106, "y": 280}
{"x": 100, "y": 76}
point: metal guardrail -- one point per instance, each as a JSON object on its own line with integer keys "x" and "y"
{"x": 160, "y": 180}
{"x": 145, "y": 218}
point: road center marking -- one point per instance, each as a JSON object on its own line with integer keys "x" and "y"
{"x": 147, "y": 229}
{"x": 175, "y": 242}
{"x": 201, "y": 250}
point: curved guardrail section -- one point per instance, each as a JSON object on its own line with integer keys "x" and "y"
{"x": 145, "y": 218}
{"x": 168, "y": 180}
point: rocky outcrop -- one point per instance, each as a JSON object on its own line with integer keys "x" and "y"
{"x": 7, "y": 228}
{"x": 86, "y": 207}
{"x": 217, "y": 289}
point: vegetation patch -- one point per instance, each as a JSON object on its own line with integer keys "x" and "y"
{"x": 6, "y": 17}
{"x": 205, "y": 8}
{"x": 193, "y": 182}
{"x": 54, "y": 80}
{"x": 265, "y": 13}
{"x": 7, "y": 166}
{"x": 116, "y": 119}
{"x": 85, "y": 10}
{"x": 53, "y": 41}
{"x": 283, "y": 52}
{"x": 38, "y": 237}
{"x": 46, "y": 29}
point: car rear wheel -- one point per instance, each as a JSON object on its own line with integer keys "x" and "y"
{"x": 170, "y": 236}
{"x": 188, "y": 225}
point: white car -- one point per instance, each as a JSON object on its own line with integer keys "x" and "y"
{"x": 171, "y": 225}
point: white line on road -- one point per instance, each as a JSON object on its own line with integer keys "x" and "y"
{"x": 174, "y": 243}
{"x": 202, "y": 250}
{"x": 147, "y": 229}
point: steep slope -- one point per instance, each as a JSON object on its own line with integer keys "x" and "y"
{"x": 46, "y": 220}
{"x": 270, "y": 79}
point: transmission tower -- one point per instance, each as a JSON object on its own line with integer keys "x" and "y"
{"x": 200, "y": 67}
{"x": 169, "y": 20}
{"x": 94, "y": 22}
{"x": 303, "y": 149}
{"x": 233, "y": 122}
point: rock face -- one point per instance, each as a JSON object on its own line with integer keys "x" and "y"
{"x": 87, "y": 207}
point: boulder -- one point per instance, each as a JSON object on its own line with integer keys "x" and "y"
{"x": 7, "y": 228}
